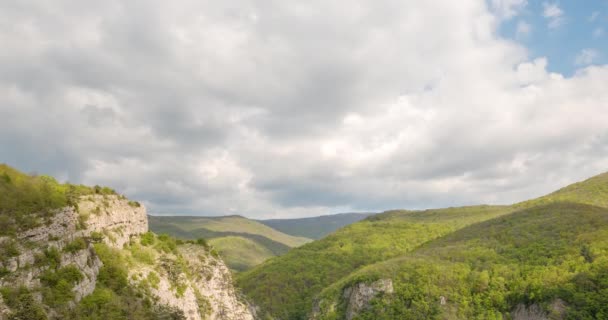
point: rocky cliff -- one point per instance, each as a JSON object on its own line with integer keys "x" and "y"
{"x": 59, "y": 264}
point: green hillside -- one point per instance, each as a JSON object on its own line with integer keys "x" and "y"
{"x": 409, "y": 238}
{"x": 556, "y": 253}
{"x": 241, "y": 253}
{"x": 315, "y": 227}
{"x": 305, "y": 271}
{"x": 243, "y": 243}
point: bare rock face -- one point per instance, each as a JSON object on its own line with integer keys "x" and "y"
{"x": 117, "y": 219}
{"x": 361, "y": 294}
{"x": 114, "y": 216}
{"x": 556, "y": 311}
{"x": 192, "y": 279}
{"x": 207, "y": 291}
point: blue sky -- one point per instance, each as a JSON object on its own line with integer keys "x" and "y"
{"x": 562, "y": 31}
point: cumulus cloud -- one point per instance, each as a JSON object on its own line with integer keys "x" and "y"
{"x": 293, "y": 109}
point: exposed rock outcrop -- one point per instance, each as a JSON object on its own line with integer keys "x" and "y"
{"x": 192, "y": 279}
{"x": 359, "y": 295}
{"x": 206, "y": 287}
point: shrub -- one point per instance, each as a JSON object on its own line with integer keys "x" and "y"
{"x": 134, "y": 204}
{"x": 24, "y": 306}
{"x": 49, "y": 257}
{"x": 166, "y": 244}
{"x": 96, "y": 237}
{"x": 76, "y": 245}
{"x": 147, "y": 239}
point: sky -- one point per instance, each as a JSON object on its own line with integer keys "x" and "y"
{"x": 281, "y": 109}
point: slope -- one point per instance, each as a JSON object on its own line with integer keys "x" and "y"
{"x": 303, "y": 273}
{"x": 315, "y": 227}
{"x": 548, "y": 261}
{"x": 265, "y": 241}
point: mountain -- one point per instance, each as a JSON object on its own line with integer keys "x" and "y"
{"x": 242, "y": 242}
{"x": 315, "y": 227}
{"x": 77, "y": 252}
{"x": 545, "y": 258}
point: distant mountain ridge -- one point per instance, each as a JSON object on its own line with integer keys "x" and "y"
{"x": 315, "y": 227}
{"x": 242, "y": 242}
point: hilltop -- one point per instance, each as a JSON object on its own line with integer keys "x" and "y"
{"x": 487, "y": 262}
{"x": 315, "y": 227}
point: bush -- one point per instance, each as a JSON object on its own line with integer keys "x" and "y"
{"x": 23, "y": 304}
{"x": 59, "y": 285}
{"x": 96, "y": 237}
{"x": 50, "y": 257}
{"x": 147, "y": 239}
{"x": 134, "y": 204}
{"x": 166, "y": 244}
{"x": 76, "y": 245}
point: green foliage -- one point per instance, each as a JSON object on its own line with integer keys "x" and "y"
{"x": 114, "y": 298}
{"x": 76, "y": 245}
{"x": 153, "y": 279}
{"x": 27, "y": 201}
{"x": 147, "y": 239}
{"x": 134, "y": 204}
{"x": 58, "y": 285}
{"x": 143, "y": 254}
{"x": 484, "y": 271}
{"x": 50, "y": 257}
{"x": 239, "y": 253}
{"x": 96, "y": 237}
{"x": 305, "y": 271}
{"x": 166, "y": 244}
{"x": 485, "y": 260}
{"x": 8, "y": 249}
{"x": 230, "y": 231}
{"x": 23, "y": 304}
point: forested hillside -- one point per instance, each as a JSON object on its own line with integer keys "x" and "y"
{"x": 545, "y": 256}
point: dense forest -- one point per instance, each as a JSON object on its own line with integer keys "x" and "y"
{"x": 547, "y": 256}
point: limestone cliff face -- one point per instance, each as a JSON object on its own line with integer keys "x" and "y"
{"x": 206, "y": 290}
{"x": 110, "y": 215}
{"x": 201, "y": 287}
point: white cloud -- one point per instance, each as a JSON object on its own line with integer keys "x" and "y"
{"x": 586, "y": 57}
{"x": 273, "y": 109}
{"x": 554, "y": 14}
{"x": 507, "y": 9}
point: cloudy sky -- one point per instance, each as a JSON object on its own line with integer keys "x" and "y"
{"x": 300, "y": 108}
